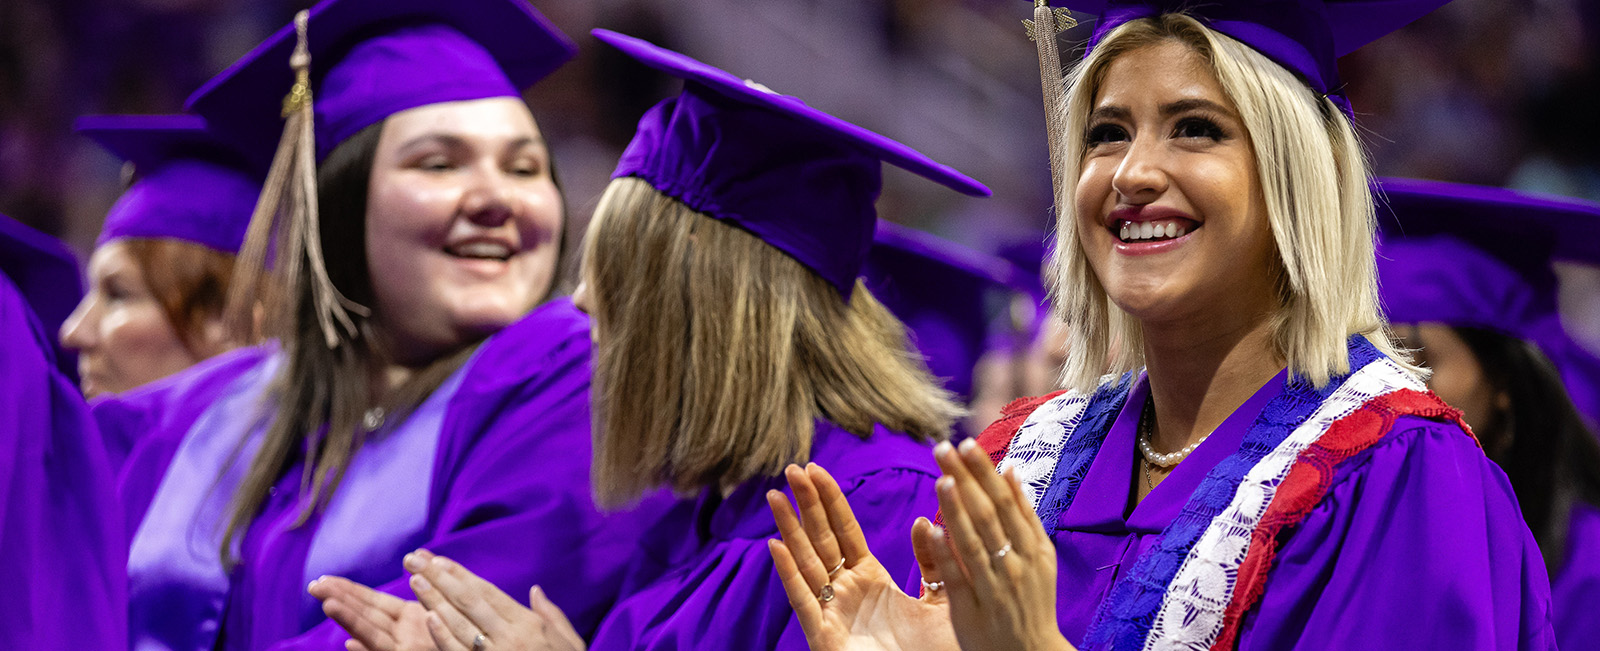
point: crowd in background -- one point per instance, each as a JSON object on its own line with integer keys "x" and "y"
{"x": 1496, "y": 92}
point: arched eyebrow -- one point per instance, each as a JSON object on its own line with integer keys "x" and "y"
{"x": 1167, "y": 110}
{"x": 456, "y": 143}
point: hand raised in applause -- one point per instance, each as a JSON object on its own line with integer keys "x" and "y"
{"x": 842, "y": 596}
{"x": 467, "y": 613}
{"x": 1000, "y": 565}
{"x": 376, "y": 621}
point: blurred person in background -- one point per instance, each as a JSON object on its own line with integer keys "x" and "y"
{"x": 735, "y": 337}
{"x": 58, "y": 513}
{"x": 1466, "y": 278}
{"x": 424, "y": 385}
{"x": 161, "y": 269}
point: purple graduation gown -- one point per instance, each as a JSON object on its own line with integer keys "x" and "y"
{"x": 703, "y": 578}
{"x": 1419, "y": 543}
{"x": 506, "y": 493}
{"x": 1576, "y": 585}
{"x": 59, "y": 523}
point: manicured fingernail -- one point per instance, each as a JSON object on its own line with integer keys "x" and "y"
{"x": 946, "y": 484}
{"x": 942, "y": 449}
{"x": 538, "y": 594}
{"x": 314, "y": 582}
{"x": 413, "y": 562}
{"x": 968, "y": 445}
{"x": 420, "y": 585}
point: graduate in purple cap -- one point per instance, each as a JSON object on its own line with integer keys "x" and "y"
{"x": 1241, "y": 457}
{"x": 1466, "y": 277}
{"x": 423, "y": 387}
{"x": 59, "y": 521}
{"x": 735, "y": 337}
{"x": 164, "y": 260}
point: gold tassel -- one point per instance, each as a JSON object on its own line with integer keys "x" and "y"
{"x": 1042, "y": 30}
{"x": 286, "y": 215}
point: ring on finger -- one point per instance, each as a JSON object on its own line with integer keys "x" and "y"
{"x": 1001, "y": 553}
{"x": 827, "y": 593}
{"x": 836, "y": 567}
{"x": 934, "y": 586}
{"x": 480, "y": 642}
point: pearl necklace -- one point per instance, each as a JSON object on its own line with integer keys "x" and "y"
{"x": 1146, "y": 428}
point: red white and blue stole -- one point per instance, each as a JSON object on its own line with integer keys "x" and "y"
{"x": 1191, "y": 590}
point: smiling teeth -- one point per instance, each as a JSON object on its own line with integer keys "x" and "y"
{"x": 1137, "y": 231}
{"x": 493, "y": 250}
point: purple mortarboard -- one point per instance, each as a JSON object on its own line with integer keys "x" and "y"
{"x": 189, "y": 186}
{"x": 1305, "y": 36}
{"x": 947, "y": 296}
{"x": 1474, "y": 256}
{"x": 47, "y": 274}
{"x": 802, "y": 180}
{"x": 373, "y": 58}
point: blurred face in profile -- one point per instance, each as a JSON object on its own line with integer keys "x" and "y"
{"x": 1171, "y": 214}
{"x": 120, "y": 330}
{"x": 463, "y": 224}
{"x": 1459, "y": 380}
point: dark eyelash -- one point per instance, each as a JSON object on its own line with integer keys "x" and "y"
{"x": 1101, "y": 133}
{"x": 1209, "y": 127}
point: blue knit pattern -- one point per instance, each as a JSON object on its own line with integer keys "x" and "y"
{"x": 1082, "y": 446}
{"x": 1124, "y": 619}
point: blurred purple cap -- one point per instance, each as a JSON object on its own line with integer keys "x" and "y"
{"x": 1305, "y": 36}
{"x": 47, "y": 273}
{"x": 947, "y": 296}
{"x": 802, "y": 180}
{"x": 190, "y": 185}
{"x": 1475, "y": 256}
{"x": 373, "y": 58}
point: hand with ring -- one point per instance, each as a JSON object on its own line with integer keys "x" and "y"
{"x": 467, "y": 613}
{"x": 1000, "y": 568}
{"x": 841, "y": 595}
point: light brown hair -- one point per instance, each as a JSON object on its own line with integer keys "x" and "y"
{"x": 717, "y": 353}
{"x": 190, "y": 282}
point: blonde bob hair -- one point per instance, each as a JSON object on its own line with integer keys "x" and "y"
{"x": 717, "y": 353}
{"x": 1315, "y": 179}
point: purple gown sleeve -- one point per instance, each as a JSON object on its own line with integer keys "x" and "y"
{"x": 1576, "y": 586}
{"x": 511, "y": 484}
{"x": 1419, "y": 544}
{"x": 59, "y": 523}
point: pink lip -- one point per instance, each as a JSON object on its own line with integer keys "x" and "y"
{"x": 1147, "y": 213}
{"x": 1144, "y": 213}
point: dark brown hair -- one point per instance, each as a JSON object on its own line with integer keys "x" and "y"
{"x": 717, "y": 353}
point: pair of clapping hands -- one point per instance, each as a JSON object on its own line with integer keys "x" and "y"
{"x": 455, "y": 610}
{"x": 991, "y": 584}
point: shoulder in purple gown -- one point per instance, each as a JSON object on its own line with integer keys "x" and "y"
{"x": 59, "y": 523}
{"x": 1576, "y": 584}
{"x": 703, "y": 578}
{"x": 503, "y": 487}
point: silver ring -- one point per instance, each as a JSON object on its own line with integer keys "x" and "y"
{"x": 827, "y": 593}
{"x": 479, "y": 642}
{"x": 1001, "y": 553}
{"x": 932, "y": 587}
{"x": 836, "y": 568}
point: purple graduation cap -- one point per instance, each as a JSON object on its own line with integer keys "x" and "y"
{"x": 1305, "y": 36}
{"x": 947, "y": 296}
{"x": 373, "y": 58}
{"x": 801, "y": 180}
{"x": 190, "y": 185}
{"x": 48, "y": 276}
{"x": 1475, "y": 256}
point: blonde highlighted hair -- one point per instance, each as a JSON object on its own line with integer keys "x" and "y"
{"x": 1314, "y": 176}
{"x": 717, "y": 353}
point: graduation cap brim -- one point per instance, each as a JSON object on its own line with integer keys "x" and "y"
{"x": 733, "y": 88}
{"x": 1496, "y": 219}
{"x": 151, "y": 140}
{"x": 245, "y": 100}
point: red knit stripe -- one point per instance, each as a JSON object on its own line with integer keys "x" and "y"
{"x": 1308, "y": 482}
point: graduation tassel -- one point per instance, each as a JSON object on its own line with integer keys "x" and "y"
{"x": 286, "y": 217}
{"x": 1042, "y": 30}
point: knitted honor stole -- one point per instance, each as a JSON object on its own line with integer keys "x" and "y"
{"x": 1193, "y": 587}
